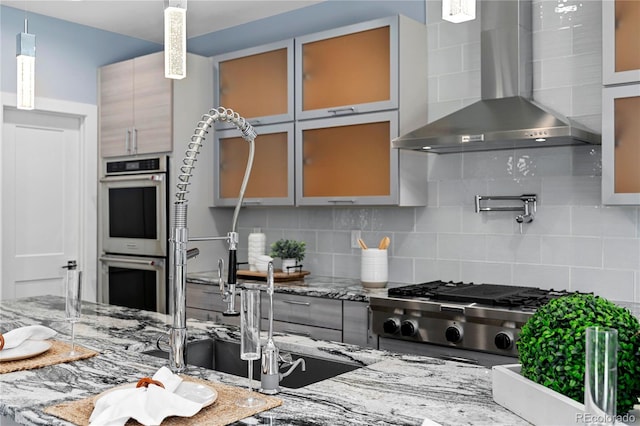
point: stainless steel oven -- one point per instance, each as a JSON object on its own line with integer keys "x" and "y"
{"x": 134, "y": 282}
{"x": 133, "y": 232}
{"x": 134, "y": 206}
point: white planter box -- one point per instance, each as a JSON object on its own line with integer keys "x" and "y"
{"x": 538, "y": 404}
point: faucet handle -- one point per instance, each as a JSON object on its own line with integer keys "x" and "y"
{"x": 221, "y": 275}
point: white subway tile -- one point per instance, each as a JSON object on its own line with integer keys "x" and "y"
{"x": 587, "y": 160}
{"x": 320, "y": 264}
{"x": 444, "y": 166}
{"x": 442, "y": 219}
{"x": 455, "y": 34}
{"x": 432, "y": 194}
{"x": 610, "y": 284}
{"x": 513, "y": 249}
{"x": 536, "y": 162}
{"x": 485, "y": 272}
{"x": 393, "y": 219}
{"x": 461, "y": 247}
{"x": 488, "y": 222}
{"x": 460, "y": 192}
{"x": 459, "y": 85}
{"x": 416, "y": 245}
{"x": 571, "y": 190}
{"x": 315, "y": 218}
{"x": 431, "y": 270}
{"x": 618, "y": 221}
{"x": 401, "y": 270}
{"x": 333, "y": 242}
{"x": 587, "y": 99}
{"x": 432, "y": 90}
{"x": 571, "y": 251}
{"x": 471, "y": 56}
{"x": 621, "y": 253}
{"x": 432, "y": 37}
{"x": 282, "y": 218}
{"x": 552, "y": 43}
{"x": 309, "y": 237}
{"x": 515, "y": 186}
{"x": 490, "y": 164}
{"x": 555, "y": 98}
{"x": 346, "y": 266}
{"x": 550, "y": 220}
{"x": 352, "y": 218}
{"x": 542, "y": 276}
{"x": 556, "y": 72}
{"x": 446, "y": 60}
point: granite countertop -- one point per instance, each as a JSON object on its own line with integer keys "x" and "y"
{"x": 389, "y": 388}
{"x": 318, "y": 286}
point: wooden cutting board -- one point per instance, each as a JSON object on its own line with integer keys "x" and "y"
{"x": 278, "y": 275}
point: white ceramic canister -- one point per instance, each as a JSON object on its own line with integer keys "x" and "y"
{"x": 374, "y": 268}
{"x": 256, "y": 245}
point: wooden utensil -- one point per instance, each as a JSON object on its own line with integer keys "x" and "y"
{"x": 363, "y": 246}
{"x": 384, "y": 243}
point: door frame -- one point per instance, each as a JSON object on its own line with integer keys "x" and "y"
{"x": 88, "y": 233}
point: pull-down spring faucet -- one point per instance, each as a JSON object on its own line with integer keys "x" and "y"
{"x": 178, "y": 253}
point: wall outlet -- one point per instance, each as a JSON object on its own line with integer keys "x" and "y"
{"x": 355, "y": 236}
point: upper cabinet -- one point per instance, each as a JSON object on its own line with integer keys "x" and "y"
{"x": 271, "y": 179}
{"x": 257, "y": 83}
{"x": 356, "y": 88}
{"x": 621, "y": 34}
{"x": 135, "y": 107}
{"x": 349, "y": 70}
{"x": 621, "y": 144}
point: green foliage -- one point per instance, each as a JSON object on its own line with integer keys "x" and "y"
{"x": 551, "y": 346}
{"x": 288, "y": 249}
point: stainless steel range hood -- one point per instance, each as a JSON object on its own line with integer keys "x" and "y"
{"x": 505, "y": 118}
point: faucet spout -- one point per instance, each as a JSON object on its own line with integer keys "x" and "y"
{"x": 178, "y": 253}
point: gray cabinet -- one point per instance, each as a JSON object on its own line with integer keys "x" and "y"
{"x": 356, "y": 324}
{"x": 205, "y": 303}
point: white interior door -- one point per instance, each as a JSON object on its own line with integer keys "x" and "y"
{"x": 41, "y": 187}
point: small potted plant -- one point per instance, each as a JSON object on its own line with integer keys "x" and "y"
{"x": 290, "y": 251}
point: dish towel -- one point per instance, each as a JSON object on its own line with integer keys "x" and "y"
{"x": 148, "y": 405}
{"x": 17, "y": 336}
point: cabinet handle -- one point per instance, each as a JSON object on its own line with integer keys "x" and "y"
{"x": 135, "y": 141}
{"x": 295, "y": 302}
{"x": 127, "y": 141}
{"x": 298, "y": 333}
{"x": 346, "y": 110}
{"x": 342, "y": 201}
{"x": 252, "y": 202}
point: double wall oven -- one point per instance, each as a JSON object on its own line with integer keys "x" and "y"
{"x": 133, "y": 232}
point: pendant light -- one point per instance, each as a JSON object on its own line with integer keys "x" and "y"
{"x": 175, "y": 39}
{"x": 458, "y": 11}
{"x": 26, "y": 69}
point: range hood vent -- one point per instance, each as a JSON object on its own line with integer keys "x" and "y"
{"x": 505, "y": 117}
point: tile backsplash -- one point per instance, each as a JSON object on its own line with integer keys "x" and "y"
{"x": 574, "y": 242}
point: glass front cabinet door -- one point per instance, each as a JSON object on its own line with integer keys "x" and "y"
{"x": 271, "y": 179}
{"x": 621, "y": 145}
{"x": 620, "y": 41}
{"x": 257, "y": 83}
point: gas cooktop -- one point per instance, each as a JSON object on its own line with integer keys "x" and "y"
{"x": 525, "y": 298}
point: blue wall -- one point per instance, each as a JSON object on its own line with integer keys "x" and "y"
{"x": 68, "y": 55}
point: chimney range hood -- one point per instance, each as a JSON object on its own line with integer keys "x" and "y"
{"x": 505, "y": 117}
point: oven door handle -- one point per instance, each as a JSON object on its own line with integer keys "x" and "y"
{"x": 156, "y": 177}
{"x": 127, "y": 260}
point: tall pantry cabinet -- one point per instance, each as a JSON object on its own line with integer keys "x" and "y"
{"x": 620, "y": 102}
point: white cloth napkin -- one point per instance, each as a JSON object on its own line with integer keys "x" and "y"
{"x": 17, "y": 336}
{"x": 148, "y": 406}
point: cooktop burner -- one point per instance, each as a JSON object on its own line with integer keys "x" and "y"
{"x": 486, "y": 294}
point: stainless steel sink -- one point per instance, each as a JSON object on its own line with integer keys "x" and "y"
{"x": 224, "y": 356}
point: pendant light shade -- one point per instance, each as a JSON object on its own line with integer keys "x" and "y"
{"x": 175, "y": 40}
{"x": 26, "y": 69}
{"x": 458, "y": 11}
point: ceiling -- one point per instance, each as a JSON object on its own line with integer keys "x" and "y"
{"x": 143, "y": 19}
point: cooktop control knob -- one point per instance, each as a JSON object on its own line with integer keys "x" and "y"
{"x": 408, "y": 328}
{"x": 453, "y": 334}
{"x": 391, "y": 325}
{"x": 503, "y": 340}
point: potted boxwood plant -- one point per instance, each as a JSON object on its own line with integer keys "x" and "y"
{"x": 551, "y": 346}
{"x": 290, "y": 251}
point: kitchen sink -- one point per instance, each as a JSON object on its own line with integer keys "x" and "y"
{"x": 224, "y": 356}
